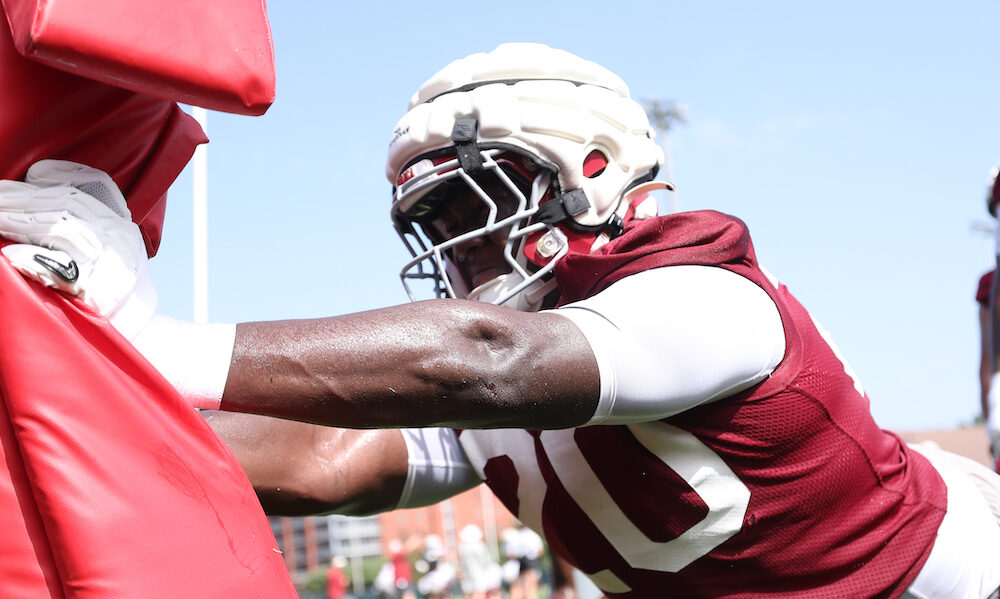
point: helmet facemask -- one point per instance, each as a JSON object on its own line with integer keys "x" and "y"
{"x": 434, "y": 211}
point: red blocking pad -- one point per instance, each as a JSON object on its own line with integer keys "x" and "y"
{"x": 216, "y": 54}
{"x": 110, "y": 484}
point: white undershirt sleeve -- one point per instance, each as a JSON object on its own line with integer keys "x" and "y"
{"x": 195, "y": 358}
{"x": 438, "y": 467}
{"x": 673, "y": 338}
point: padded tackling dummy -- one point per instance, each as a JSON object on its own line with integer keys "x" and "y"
{"x": 113, "y": 485}
{"x": 57, "y": 102}
{"x": 213, "y": 54}
{"x": 110, "y": 485}
{"x": 143, "y": 142}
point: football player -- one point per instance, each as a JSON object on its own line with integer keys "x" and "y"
{"x": 636, "y": 388}
{"x": 989, "y": 319}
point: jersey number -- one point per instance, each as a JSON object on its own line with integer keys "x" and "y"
{"x": 724, "y": 494}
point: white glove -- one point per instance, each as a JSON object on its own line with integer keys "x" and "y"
{"x": 75, "y": 233}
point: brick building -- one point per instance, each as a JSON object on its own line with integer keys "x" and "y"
{"x": 309, "y": 543}
{"x": 970, "y": 441}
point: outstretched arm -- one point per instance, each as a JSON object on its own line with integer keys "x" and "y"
{"x": 454, "y": 363}
{"x": 435, "y": 363}
{"x": 632, "y": 353}
{"x": 302, "y": 469}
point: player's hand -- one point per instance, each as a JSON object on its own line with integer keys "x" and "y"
{"x": 75, "y": 234}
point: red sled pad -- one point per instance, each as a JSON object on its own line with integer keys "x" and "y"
{"x": 215, "y": 54}
{"x": 142, "y": 141}
{"x": 111, "y": 486}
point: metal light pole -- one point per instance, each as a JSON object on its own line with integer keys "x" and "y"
{"x": 199, "y": 175}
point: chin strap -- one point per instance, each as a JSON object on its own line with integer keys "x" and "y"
{"x": 562, "y": 209}
{"x": 497, "y": 291}
{"x": 647, "y": 208}
{"x": 536, "y": 294}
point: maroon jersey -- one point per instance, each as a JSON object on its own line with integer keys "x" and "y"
{"x": 786, "y": 489}
{"x": 984, "y": 288}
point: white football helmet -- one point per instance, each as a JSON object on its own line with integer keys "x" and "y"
{"x": 553, "y": 146}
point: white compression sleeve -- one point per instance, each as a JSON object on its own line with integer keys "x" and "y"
{"x": 672, "y": 338}
{"x": 438, "y": 467}
{"x": 195, "y": 358}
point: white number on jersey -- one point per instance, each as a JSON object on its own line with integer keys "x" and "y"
{"x": 724, "y": 494}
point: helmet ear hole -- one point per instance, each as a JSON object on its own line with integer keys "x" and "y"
{"x": 594, "y": 164}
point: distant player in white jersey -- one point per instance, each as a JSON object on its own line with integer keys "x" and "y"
{"x": 635, "y": 388}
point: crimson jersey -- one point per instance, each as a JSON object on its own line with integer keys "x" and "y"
{"x": 786, "y": 489}
{"x": 984, "y": 287}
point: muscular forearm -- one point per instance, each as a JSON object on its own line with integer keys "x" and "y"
{"x": 444, "y": 362}
{"x": 300, "y": 469}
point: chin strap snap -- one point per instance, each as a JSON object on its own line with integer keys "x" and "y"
{"x": 614, "y": 227}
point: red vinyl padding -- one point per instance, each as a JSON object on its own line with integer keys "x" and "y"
{"x": 111, "y": 486}
{"x": 214, "y": 54}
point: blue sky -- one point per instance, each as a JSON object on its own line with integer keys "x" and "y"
{"x": 854, "y": 138}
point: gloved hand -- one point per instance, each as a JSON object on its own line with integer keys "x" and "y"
{"x": 75, "y": 233}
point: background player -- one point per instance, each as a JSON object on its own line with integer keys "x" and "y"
{"x": 989, "y": 315}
